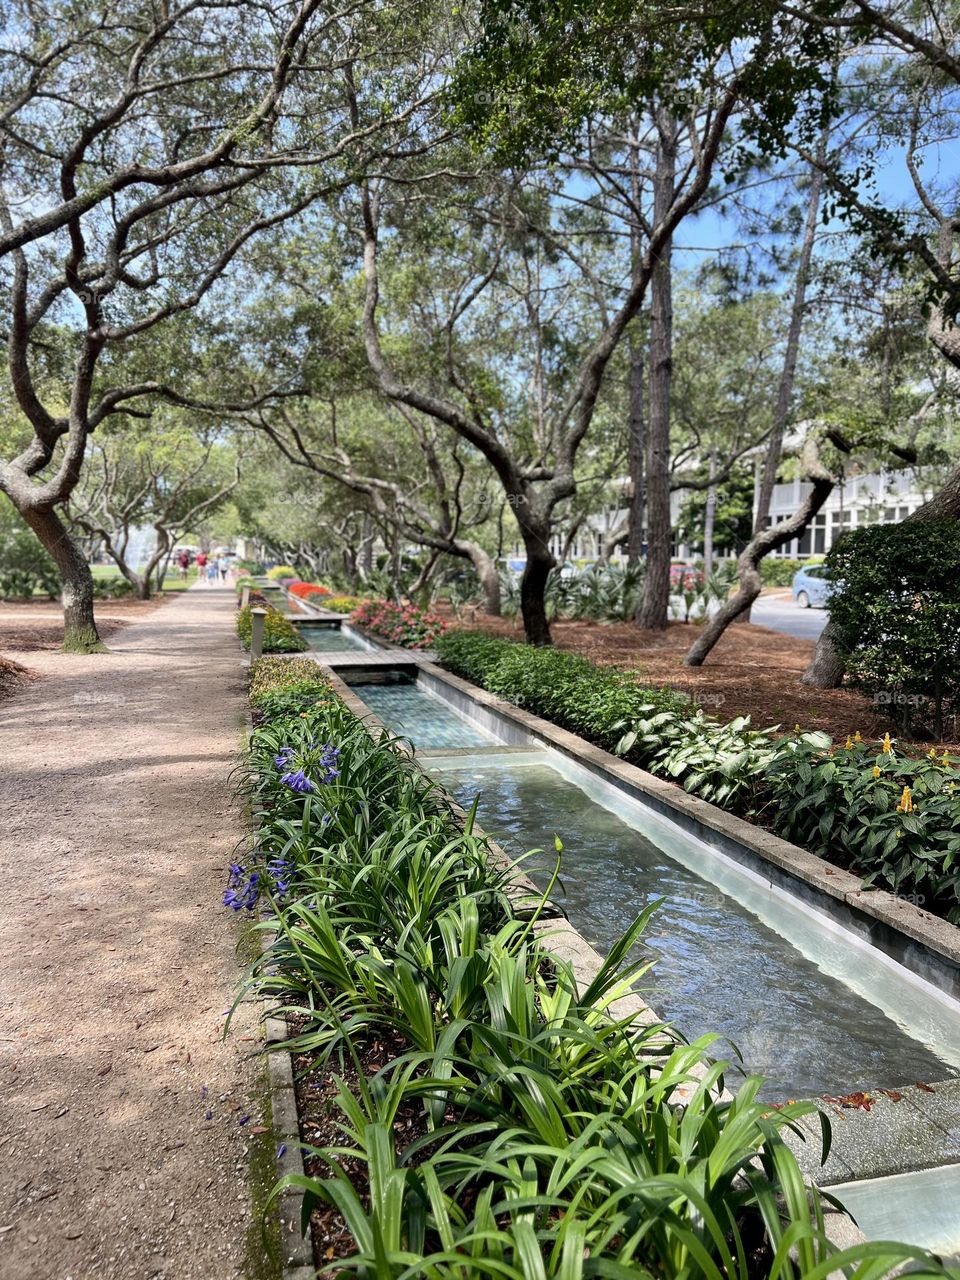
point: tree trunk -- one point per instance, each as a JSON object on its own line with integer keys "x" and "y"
{"x": 709, "y": 517}
{"x": 781, "y": 415}
{"x": 486, "y": 570}
{"x": 655, "y": 604}
{"x": 748, "y": 566}
{"x": 533, "y": 585}
{"x": 80, "y": 633}
{"x": 635, "y": 454}
{"x": 827, "y": 667}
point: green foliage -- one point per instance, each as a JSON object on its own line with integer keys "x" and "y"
{"x": 111, "y": 588}
{"x": 849, "y": 805}
{"x": 343, "y": 604}
{"x": 895, "y": 610}
{"x": 547, "y": 1136}
{"x": 279, "y": 633}
{"x": 245, "y": 582}
{"x": 25, "y": 565}
{"x": 778, "y": 573}
{"x": 281, "y": 686}
{"x": 471, "y": 654}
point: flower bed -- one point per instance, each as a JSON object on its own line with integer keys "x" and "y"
{"x": 306, "y": 589}
{"x": 344, "y": 604}
{"x": 401, "y": 624}
{"x": 847, "y": 804}
{"x": 491, "y": 1117}
{"x": 279, "y": 633}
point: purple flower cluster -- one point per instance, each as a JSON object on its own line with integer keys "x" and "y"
{"x": 243, "y": 889}
{"x": 296, "y": 779}
{"x": 281, "y": 872}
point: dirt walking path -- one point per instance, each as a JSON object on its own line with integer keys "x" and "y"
{"x": 123, "y": 1115}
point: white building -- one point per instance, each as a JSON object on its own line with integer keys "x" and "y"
{"x": 886, "y": 497}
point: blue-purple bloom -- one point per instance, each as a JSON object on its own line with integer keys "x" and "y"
{"x": 297, "y": 781}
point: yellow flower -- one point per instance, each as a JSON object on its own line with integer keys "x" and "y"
{"x": 796, "y": 728}
{"x": 945, "y": 759}
{"x": 932, "y": 753}
{"x": 876, "y": 771}
{"x": 857, "y": 736}
{"x": 906, "y": 802}
{"x": 886, "y": 748}
{"x": 849, "y": 743}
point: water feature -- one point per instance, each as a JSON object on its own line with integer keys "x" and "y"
{"x": 807, "y": 1004}
{"x": 716, "y": 966}
{"x": 328, "y": 637}
{"x": 427, "y": 721}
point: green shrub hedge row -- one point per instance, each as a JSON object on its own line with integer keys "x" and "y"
{"x": 279, "y": 633}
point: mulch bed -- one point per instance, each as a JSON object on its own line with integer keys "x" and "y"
{"x": 752, "y": 672}
{"x": 13, "y": 677}
{"x": 317, "y": 1088}
{"x": 30, "y": 625}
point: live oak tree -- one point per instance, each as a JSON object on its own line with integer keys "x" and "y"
{"x": 166, "y": 478}
{"x": 143, "y": 148}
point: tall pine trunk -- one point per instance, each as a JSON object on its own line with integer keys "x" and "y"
{"x": 655, "y": 604}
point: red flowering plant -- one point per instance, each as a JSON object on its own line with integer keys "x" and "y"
{"x": 401, "y": 624}
{"x": 304, "y": 589}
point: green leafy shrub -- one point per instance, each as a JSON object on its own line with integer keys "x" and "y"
{"x": 281, "y": 571}
{"x": 111, "y": 588}
{"x": 279, "y": 633}
{"x": 547, "y": 1135}
{"x": 895, "y": 610}
{"x": 245, "y": 582}
{"x": 472, "y": 655}
{"x": 343, "y": 604}
{"x": 25, "y": 565}
{"x": 775, "y": 572}
{"x": 288, "y": 686}
{"x": 893, "y": 820}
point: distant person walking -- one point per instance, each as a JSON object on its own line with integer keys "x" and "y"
{"x": 212, "y": 572}
{"x": 183, "y": 562}
{"x": 201, "y": 566}
{"x": 223, "y": 564}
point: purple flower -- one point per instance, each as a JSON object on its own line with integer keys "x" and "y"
{"x": 297, "y": 781}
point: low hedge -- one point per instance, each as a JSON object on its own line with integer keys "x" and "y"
{"x": 279, "y": 633}
{"x": 343, "y": 604}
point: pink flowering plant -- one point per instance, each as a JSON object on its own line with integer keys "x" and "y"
{"x": 400, "y": 624}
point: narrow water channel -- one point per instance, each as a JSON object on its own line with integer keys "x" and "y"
{"x": 717, "y": 967}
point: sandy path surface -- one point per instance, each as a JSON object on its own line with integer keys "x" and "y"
{"x": 122, "y": 1152}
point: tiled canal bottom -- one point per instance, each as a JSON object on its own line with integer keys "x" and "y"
{"x": 425, "y": 720}
{"x": 324, "y": 638}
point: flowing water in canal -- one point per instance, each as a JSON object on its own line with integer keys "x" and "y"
{"x": 717, "y": 967}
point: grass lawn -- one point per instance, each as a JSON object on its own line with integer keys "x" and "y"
{"x": 104, "y": 572}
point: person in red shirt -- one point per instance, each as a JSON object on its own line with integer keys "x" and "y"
{"x": 183, "y": 560}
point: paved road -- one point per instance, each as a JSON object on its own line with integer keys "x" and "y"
{"x": 780, "y": 613}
